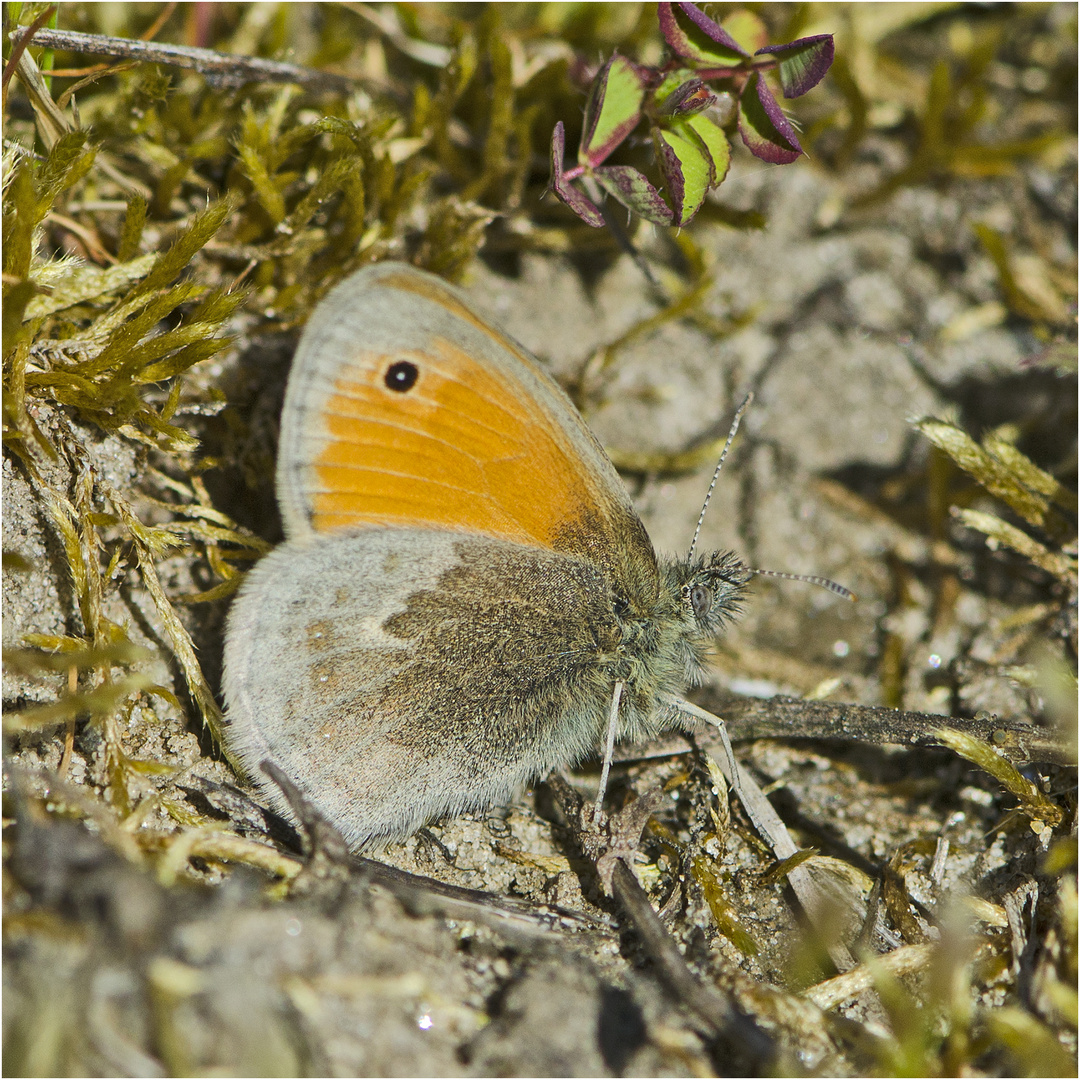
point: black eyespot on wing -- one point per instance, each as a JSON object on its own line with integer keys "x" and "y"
{"x": 701, "y": 600}
{"x": 401, "y": 376}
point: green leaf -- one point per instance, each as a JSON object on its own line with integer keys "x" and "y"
{"x": 80, "y": 283}
{"x": 613, "y": 110}
{"x": 715, "y": 143}
{"x": 16, "y": 299}
{"x": 764, "y": 128}
{"x": 170, "y": 263}
{"x": 687, "y": 170}
{"x": 134, "y": 220}
{"x": 566, "y": 192}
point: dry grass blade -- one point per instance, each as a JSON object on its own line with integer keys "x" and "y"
{"x": 1001, "y": 532}
{"x": 906, "y": 960}
{"x": 1032, "y": 801}
{"x": 100, "y": 702}
{"x": 994, "y": 475}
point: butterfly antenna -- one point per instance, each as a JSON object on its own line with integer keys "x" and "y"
{"x": 719, "y": 465}
{"x": 824, "y": 582}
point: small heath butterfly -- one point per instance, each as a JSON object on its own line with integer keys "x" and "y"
{"x": 465, "y": 593}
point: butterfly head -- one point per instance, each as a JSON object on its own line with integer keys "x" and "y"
{"x": 698, "y": 595}
{"x": 711, "y": 588}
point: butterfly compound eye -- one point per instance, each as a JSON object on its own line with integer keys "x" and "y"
{"x": 701, "y": 599}
{"x": 401, "y": 376}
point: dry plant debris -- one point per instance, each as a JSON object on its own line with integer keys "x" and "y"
{"x": 173, "y": 212}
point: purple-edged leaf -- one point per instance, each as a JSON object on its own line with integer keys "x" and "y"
{"x": 764, "y": 128}
{"x": 612, "y": 111}
{"x": 687, "y": 170}
{"x": 685, "y": 100}
{"x": 802, "y": 63}
{"x": 690, "y": 33}
{"x": 580, "y": 203}
{"x": 707, "y": 26}
{"x": 630, "y": 188}
{"x": 746, "y": 30}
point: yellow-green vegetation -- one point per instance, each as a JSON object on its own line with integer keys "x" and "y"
{"x": 168, "y": 226}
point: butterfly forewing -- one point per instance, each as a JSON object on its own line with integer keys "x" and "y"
{"x": 405, "y": 408}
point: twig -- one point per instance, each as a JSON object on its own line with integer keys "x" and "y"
{"x": 794, "y": 718}
{"x": 421, "y": 895}
{"x": 906, "y": 960}
{"x": 221, "y": 69}
{"x": 714, "y": 1009}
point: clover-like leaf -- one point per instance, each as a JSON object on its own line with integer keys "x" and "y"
{"x": 635, "y": 192}
{"x": 583, "y": 206}
{"x": 715, "y": 143}
{"x": 764, "y": 128}
{"x": 612, "y": 111}
{"x": 687, "y": 168}
{"x": 690, "y": 33}
{"x": 802, "y": 63}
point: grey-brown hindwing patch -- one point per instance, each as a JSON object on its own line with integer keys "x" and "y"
{"x": 458, "y": 667}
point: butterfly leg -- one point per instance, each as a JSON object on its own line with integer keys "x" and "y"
{"x": 609, "y": 750}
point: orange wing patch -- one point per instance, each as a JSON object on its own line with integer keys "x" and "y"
{"x": 461, "y": 449}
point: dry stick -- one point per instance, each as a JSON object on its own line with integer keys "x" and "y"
{"x": 713, "y": 1008}
{"x": 906, "y": 960}
{"x": 328, "y": 864}
{"x": 794, "y": 718}
{"x": 87, "y": 76}
{"x": 222, "y": 68}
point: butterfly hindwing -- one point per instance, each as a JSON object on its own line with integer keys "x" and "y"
{"x": 463, "y": 665}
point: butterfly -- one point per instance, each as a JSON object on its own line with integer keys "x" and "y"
{"x": 466, "y": 597}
